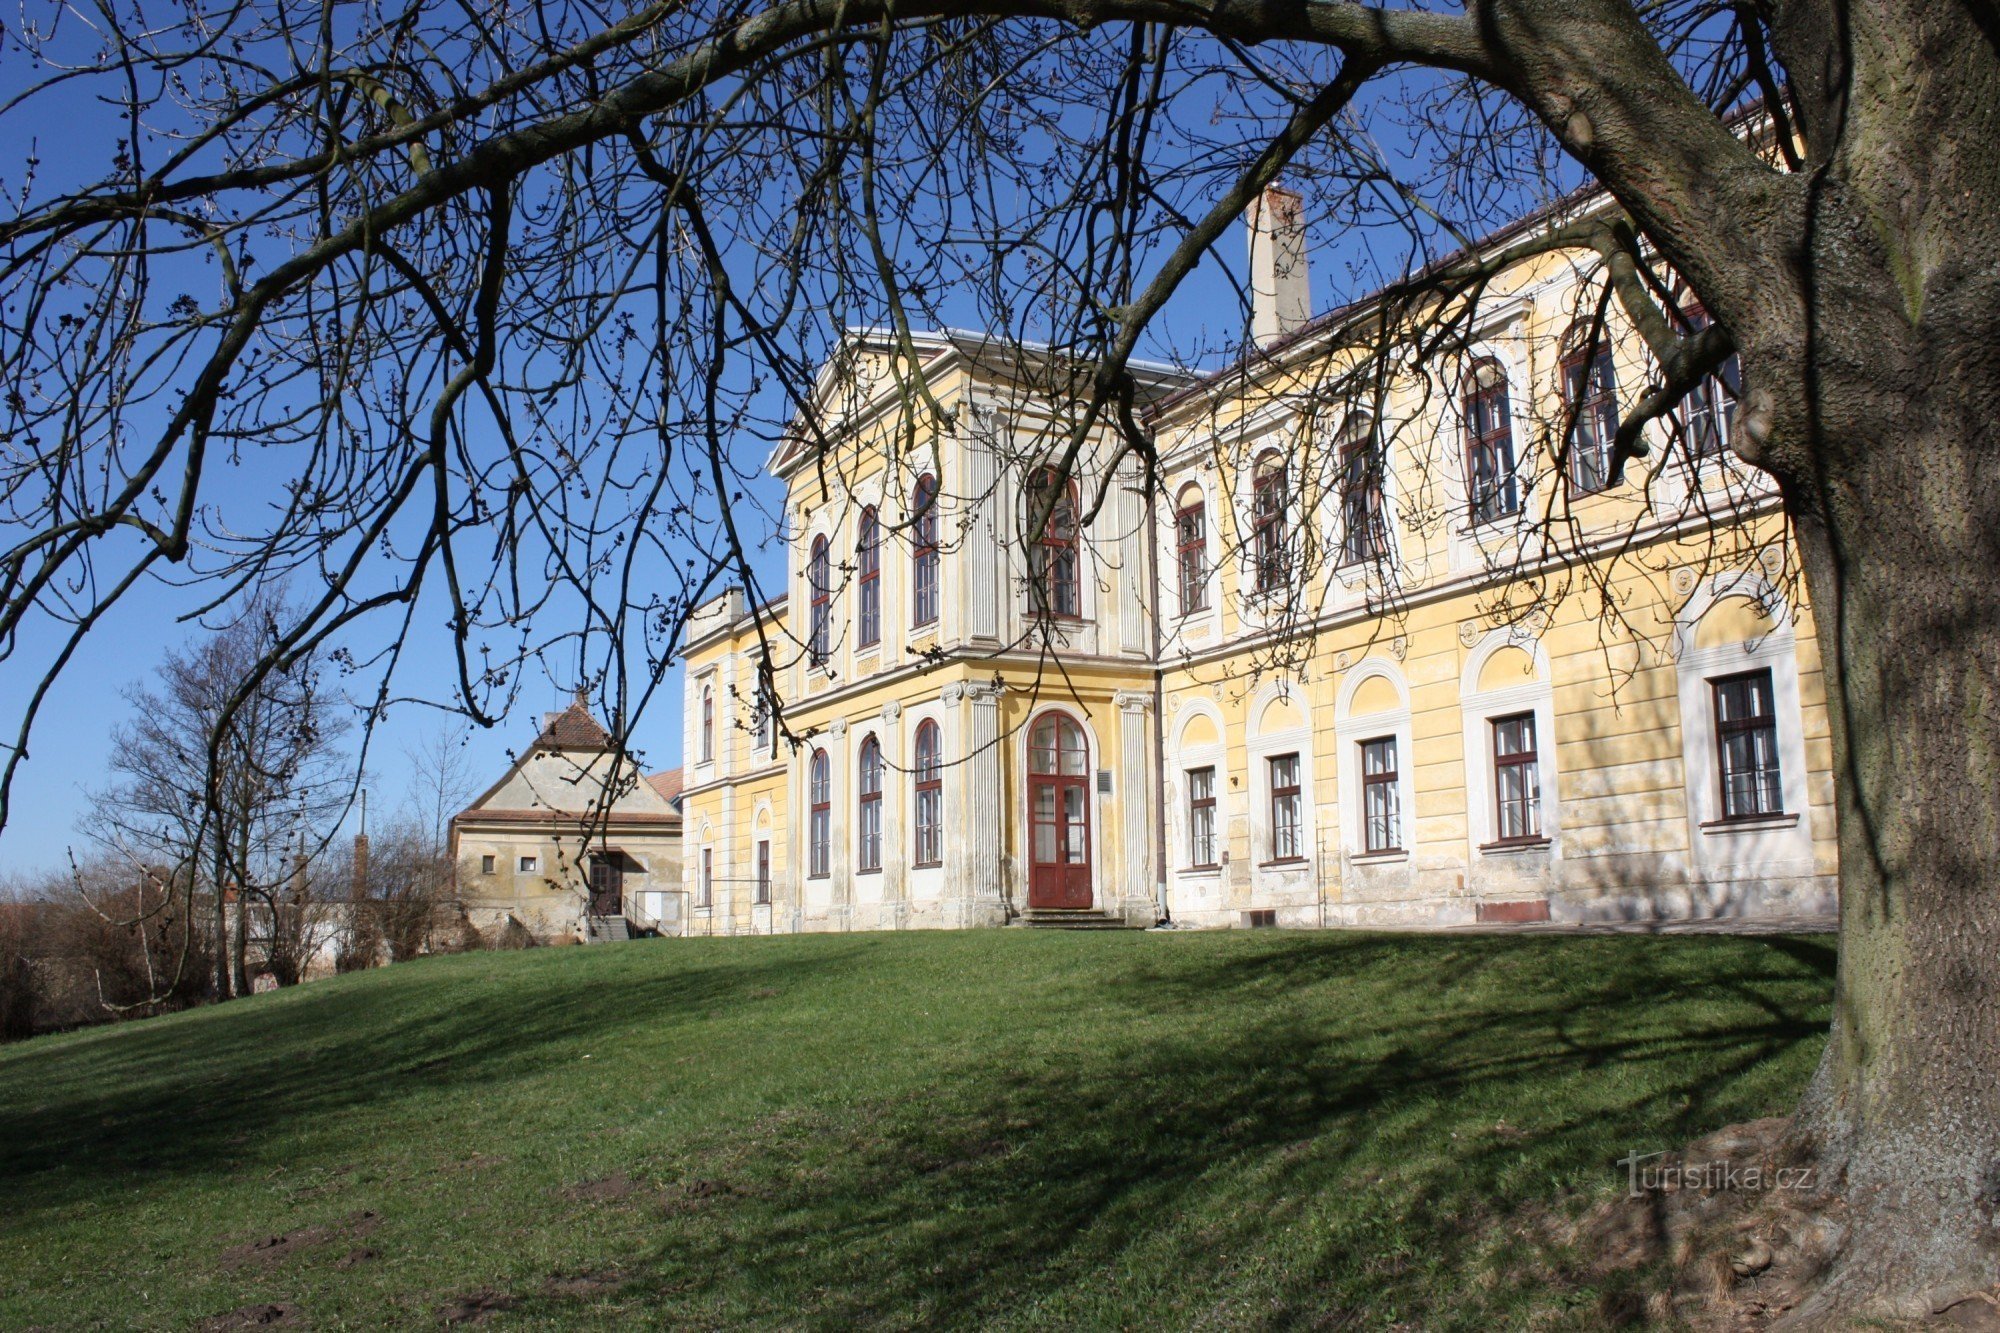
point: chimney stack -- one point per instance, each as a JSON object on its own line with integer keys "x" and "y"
{"x": 1280, "y": 297}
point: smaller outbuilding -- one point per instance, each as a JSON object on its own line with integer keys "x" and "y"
{"x": 574, "y": 843}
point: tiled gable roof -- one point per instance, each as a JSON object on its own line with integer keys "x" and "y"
{"x": 667, "y": 784}
{"x": 573, "y": 729}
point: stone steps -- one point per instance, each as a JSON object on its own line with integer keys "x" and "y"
{"x": 1043, "y": 918}
{"x": 605, "y": 928}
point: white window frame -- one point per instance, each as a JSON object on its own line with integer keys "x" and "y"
{"x": 1478, "y": 710}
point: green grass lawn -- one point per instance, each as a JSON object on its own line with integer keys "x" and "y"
{"x": 1017, "y": 1129}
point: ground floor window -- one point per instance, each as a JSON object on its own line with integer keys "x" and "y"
{"x": 707, "y": 886}
{"x": 763, "y": 873}
{"x": 485, "y": 865}
{"x": 1746, "y": 742}
{"x": 1287, "y": 842}
{"x": 1517, "y": 782}
{"x": 527, "y": 865}
{"x": 1381, "y": 814}
{"x": 819, "y": 793}
{"x": 1201, "y": 817}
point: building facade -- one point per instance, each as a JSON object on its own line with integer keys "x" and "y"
{"x": 1411, "y": 659}
{"x": 573, "y": 842}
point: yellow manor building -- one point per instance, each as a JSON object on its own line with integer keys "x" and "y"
{"x": 1379, "y": 644}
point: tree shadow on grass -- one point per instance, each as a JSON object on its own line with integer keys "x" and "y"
{"x": 205, "y": 1091}
{"x": 1343, "y": 1151}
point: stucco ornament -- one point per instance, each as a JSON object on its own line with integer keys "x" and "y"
{"x": 1683, "y": 579}
{"x": 1399, "y": 647}
{"x": 1468, "y": 632}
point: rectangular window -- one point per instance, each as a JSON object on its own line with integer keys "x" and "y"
{"x": 1489, "y": 446}
{"x": 485, "y": 865}
{"x": 1267, "y": 524}
{"x": 868, "y": 555}
{"x": 1708, "y": 413}
{"x": 1381, "y": 801}
{"x": 924, "y": 552}
{"x": 1201, "y": 817}
{"x": 1287, "y": 844}
{"x": 1191, "y": 545}
{"x": 763, "y": 873}
{"x": 1365, "y": 534}
{"x": 1593, "y": 399}
{"x": 1746, "y": 743}
{"x": 707, "y": 898}
{"x": 1517, "y": 780}
{"x": 870, "y": 843}
{"x": 527, "y": 865}
{"x": 821, "y": 818}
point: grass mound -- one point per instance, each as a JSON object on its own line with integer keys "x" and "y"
{"x": 1010, "y": 1129}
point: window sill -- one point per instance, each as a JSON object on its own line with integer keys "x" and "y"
{"x": 1379, "y": 858}
{"x": 1282, "y": 863}
{"x": 1750, "y": 824}
{"x": 926, "y": 865}
{"x": 868, "y": 870}
{"x": 822, "y": 877}
{"x": 1200, "y": 872}
{"x": 1507, "y": 845}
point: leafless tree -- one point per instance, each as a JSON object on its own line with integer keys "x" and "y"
{"x": 236, "y": 793}
{"x": 520, "y": 298}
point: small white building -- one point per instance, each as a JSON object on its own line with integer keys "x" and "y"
{"x": 574, "y": 842}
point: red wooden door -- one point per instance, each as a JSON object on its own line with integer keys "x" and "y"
{"x": 1058, "y": 814}
{"x": 607, "y": 886}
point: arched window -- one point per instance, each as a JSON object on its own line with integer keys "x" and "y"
{"x": 1267, "y": 520}
{"x": 1052, "y": 555}
{"x": 924, "y": 552}
{"x": 819, "y": 794}
{"x": 869, "y": 844}
{"x": 1590, "y": 400}
{"x": 1364, "y": 527}
{"x": 1489, "y": 444}
{"x": 1708, "y": 413}
{"x": 820, "y": 582}
{"x": 760, "y": 722}
{"x": 868, "y": 554}
{"x": 707, "y": 723}
{"x": 928, "y": 773}
{"x": 1191, "y": 549}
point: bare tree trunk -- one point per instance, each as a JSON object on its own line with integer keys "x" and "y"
{"x": 1904, "y": 1112}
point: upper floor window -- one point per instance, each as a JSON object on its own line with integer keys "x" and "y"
{"x": 868, "y": 554}
{"x": 1746, "y": 743}
{"x": 924, "y": 552}
{"x": 707, "y": 723}
{"x": 1287, "y": 835}
{"x": 1201, "y": 817}
{"x": 1267, "y": 521}
{"x": 1492, "y": 492}
{"x": 868, "y": 845}
{"x": 1517, "y": 780}
{"x": 761, "y": 722}
{"x": 1364, "y": 528}
{"x": 819, "y": 579}
{"x": 1708, "y": 413}
{"x": 1191, "y": 549}
{"x": 1381, "y": 817}
{"x": 1590, "y": 399}
{"x": 819, "y": 797}
{"x": 1052, "y": 554}
{"x": 928, "y": 774}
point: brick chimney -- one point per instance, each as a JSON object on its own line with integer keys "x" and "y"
{"x": 1280, "y": 296}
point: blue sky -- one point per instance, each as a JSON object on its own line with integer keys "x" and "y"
{"x": 72, "y": 744}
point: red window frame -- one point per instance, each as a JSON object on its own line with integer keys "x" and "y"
{"x": 707, "y": 724}
{"x": 1764, "y": 723}
{"x": 1191, "y": 550}
{"x": 1528, "y": 758}
{"x": 1361, "y": 503}
{"x": 868, "y": 808}
{"x": 868, "y": 554}
{"x": 1054, "y": 569}
{"x": 1293, "y": 793}
{"x": 1590, "y": 398}
{"x": 924, "y": 552}
{"x": 819, "y": 578}
{"x": 928, "y": 772}
{"x": 1491, "y": 443}
{"x": 1269, "y": 494}
{"x": 1201, "y": 820}
{"x": 1371, "y": 782}
{"x": 819, "y": 797}
{"x": 763, "y": 872}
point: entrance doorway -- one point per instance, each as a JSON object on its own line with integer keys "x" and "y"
{"x": 607, "y": 883}
{"x": 1058, "y": 814}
